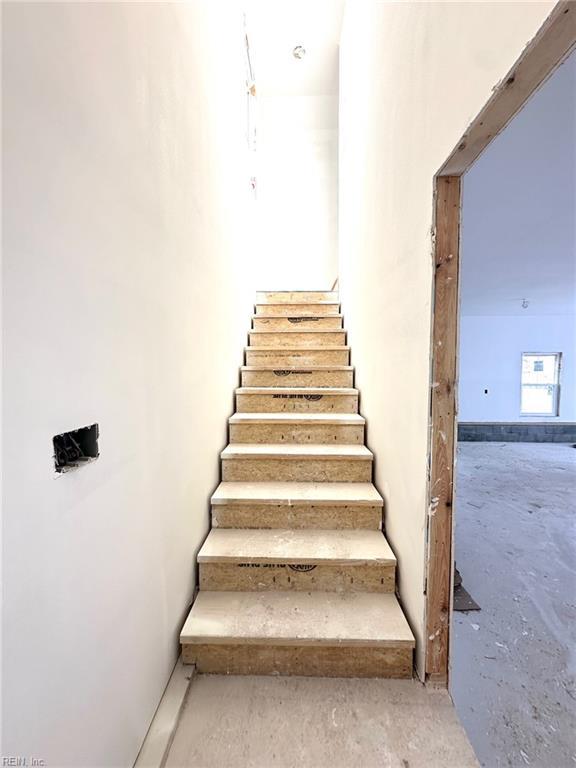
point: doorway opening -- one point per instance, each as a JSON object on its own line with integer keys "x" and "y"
{"x": 512, "y": 677}
{"x": 539, "y": 60}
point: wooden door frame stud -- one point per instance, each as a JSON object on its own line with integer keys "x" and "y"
{"x": 551, "y": 45}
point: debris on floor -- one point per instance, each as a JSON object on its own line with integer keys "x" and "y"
{"x": 513, "y": 679}
{"x": 462, "y": 600}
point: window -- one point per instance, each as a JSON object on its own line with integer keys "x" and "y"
{"x": 540, "y": 384}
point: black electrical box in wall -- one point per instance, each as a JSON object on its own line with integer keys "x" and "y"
{"x": 75, "y": 448}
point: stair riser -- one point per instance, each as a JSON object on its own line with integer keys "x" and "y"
{"x": 301, "y": 357}
{"x": 284, "y": 378}
{"x": 296, "y": 516}
{"x": 296, "y": 433}
{"x": 298, "y": 322}
{"x": 287, "y": 297}
{"x": 248, "y": 577}
{"x": 309, "y": 470}
{"x": 295, "y": 339}
{"x": 297, "y": 403}
{"x": 306, "y": 660}
{"x": 298, "y": 310}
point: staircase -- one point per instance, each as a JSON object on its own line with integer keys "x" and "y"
{"x": 296, "y": 576}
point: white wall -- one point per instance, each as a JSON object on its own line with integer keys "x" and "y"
{"x": 127, "y": 293}
{"x": 490, "y": 358}
{"x": 519, "y": 242}
{"x": 412, "y": 77}
{"x": 297, "y": 192}
{"x": 296, "y": 157}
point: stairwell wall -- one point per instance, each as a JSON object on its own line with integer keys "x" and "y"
{"x": 412, "y": 77}
{"x": 295, "y": 158}
{"x": 127, "y": 295}
{"x": 297, "y": 195}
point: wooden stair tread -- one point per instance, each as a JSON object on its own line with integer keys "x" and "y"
{"x": 280, "y": 297}
{"x": 298, "y": 309}
{"x": 298, "y": 368}
{"x": 295, "y": 314}
{"x": 296, "y": 576}
{"x": 304, "y": 350}
{"x": 342, "y": 451}
{"x": 286, "y": 331}
{"x": 320, "y": 494}
{"x": 296, "y": 391}
{"x": 296, "y": 302}
{"x": 297, "y": 618}
{"x": 307, "y": 547}
{"x": 296, "y": 417}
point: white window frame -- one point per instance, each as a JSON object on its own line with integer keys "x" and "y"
{"x": 558, "y": 369}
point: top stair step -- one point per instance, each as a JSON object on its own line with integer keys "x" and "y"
{"x": 295, "y": 297}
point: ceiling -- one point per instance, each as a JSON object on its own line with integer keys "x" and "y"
{"x": 519, "y": 205}
{"x": 275, "y": 27}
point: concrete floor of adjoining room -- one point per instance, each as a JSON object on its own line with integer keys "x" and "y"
{"x": 514, "y": 662}
{"x": 299, "y": 722}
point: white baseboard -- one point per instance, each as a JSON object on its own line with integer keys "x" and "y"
{"x": 154, "y": 750}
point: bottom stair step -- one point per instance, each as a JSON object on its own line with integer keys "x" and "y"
{"x": 350, "y": 634}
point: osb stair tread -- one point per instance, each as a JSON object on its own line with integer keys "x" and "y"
{"x": 297, "y": 309}
{"x": 324, "y": 391}
{"x": 306, "y": 547}
{"x": 304, "y": 350}
{"x": 333, "y": 494}
{"x": 297, "y": 368}
{"x": 342, "y": 451}
{"x": 297, "y": 302}
{"x": 315, "y": 295}
{"x": 287, "y": 331}
{"x": 297, "y": 418}
{"x": 295, "y": 314}
{"x": 297, "y": 618}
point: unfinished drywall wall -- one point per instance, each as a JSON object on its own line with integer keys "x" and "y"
{"x": 518, "y": 256}
{"x": 296, "y": 212}
{"x": 412, "y": 77}
{"x": 126, "y": 300}
{"x": 295, "y": 161}
{"x": 491, "y": 350}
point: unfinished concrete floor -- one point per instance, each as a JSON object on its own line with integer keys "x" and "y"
{"x": 306, "y": 722}
{"x": 513, "y": 662}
